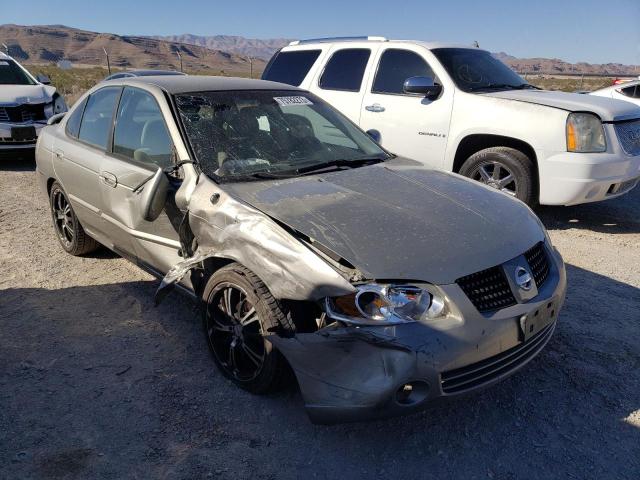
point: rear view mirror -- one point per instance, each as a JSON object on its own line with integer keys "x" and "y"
{"x": 44, "y": 79}
{"x": 154, "y": 196}
{"x": 422, "y": 85}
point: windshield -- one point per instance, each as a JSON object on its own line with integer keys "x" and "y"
{"x": 474, "y": 70}
{"x": 12, "y": 74}
{"x": 245, "y": 135}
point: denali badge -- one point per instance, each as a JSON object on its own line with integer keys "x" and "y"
{"x": 523, "y": 278}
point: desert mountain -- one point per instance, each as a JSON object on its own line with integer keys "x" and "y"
{"x": 52, "y": 43}
{"x": 252, "y": 47}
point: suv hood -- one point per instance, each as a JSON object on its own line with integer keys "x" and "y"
{"x": 394, "y": 221}
{"x": 24, "y": 94}
{"x": 606, "y": 108}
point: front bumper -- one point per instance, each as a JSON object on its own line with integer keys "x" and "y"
{"x": 349, "y": 373}
{"x": 9, "y": 143}
{"x": 571, "y": 178}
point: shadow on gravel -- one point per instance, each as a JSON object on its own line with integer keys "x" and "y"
{"x": 97, "y": 383}
{"x": 17, "y": 162}
{"x": 620, "y": 215}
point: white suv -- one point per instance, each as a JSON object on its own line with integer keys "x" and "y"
{"x": 460, "y": 109}
{"x": 26, "y": 103}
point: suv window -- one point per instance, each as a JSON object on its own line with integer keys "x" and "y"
{"x": 345, "y": 69}
{"x": 98, "y": 115}
{"x": 73, "y": 124}
{"x": 140, "y": 132}
{"x": 633, "y": 91}
{"x": 395, "y": 67}
{"x": 290, "y": 67}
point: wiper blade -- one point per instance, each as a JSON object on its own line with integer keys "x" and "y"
{"x": 340, "y": 163}
{"x": 492, "y": 86}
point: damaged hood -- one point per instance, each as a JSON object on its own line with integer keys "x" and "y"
{"x": 606, "y": 108}
{"x": 397, "y": 221}
{"x": 26, "y": 94}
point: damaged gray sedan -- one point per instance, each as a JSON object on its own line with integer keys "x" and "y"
{"x": 383, "y": 285}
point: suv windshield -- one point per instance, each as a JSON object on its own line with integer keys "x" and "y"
{"x": 245, "y": 135}
{"x": 475, "y": 70}
{"x": 12, "y": 74}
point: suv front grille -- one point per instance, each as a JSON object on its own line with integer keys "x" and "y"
{"x": 539, "y": 263}
{"x": 629, "y": 136}
{"x": 484, "y": 371}
{"x": 488, "y": 290}
{"x": 22, "y": 113}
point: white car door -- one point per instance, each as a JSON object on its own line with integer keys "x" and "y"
{"x": 409, "y": 125}
{"x": 342, "y": 80}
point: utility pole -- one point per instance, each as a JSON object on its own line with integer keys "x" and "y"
{"x": 108, "y": 63}
{"x": 179, "y": 58}
{"x": 250, "y": 67}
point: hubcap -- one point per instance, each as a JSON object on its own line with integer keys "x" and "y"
{"x": 234, "y": 332}
{"x": 63, "y": 218}
{"x": 496, "y": 175}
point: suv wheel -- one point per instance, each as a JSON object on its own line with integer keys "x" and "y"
{"x": 238, "y": 311}
{"x": 70, "y": 233}
{"x": 505, "y": 169}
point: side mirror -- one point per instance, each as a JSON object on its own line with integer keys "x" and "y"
{"x": 423, "y": 86}
{"x": 375, "y": 135}
{"x": 44, "y": 79}
{"x": 154, "y": 196}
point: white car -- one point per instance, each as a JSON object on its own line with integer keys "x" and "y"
{"x": 628, "y": 91}
{"x": 460, "y": 109}
{"x": 26, "y": 103}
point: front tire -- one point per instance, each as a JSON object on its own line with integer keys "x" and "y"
{"x": 72, "y": 237}
{"x": 505, "y": 169}
{"x": 238, "y": 312}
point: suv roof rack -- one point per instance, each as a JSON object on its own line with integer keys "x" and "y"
{"x": 338, "y": 39}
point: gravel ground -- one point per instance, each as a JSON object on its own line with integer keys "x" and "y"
{"x": 95, "y": 382}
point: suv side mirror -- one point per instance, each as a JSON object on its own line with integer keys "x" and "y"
{"x": 154, "y": 195}
{"x": 422, "y": 85}
{"x": 44, "y": 79}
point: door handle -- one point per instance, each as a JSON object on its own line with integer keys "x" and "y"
{"x": 108, "y": 179}
{"x": 376, "y": 107}
{"x": 59, "y": 154}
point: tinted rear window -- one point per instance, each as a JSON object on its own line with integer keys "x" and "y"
{"x": 290, "y": 67}
{"x": 345, "y": 69}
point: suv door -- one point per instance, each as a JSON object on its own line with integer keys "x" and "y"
{"x": 79, "y": 155}
{"x": 410, "y": 125}
{"x": 342, "y": 81}
{"x": 141, "y": 144}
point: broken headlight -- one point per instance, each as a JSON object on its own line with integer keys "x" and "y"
{"x": 374, "y": 304}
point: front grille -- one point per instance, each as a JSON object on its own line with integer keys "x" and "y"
{"x": 539, "y": 263}
{"x": 22, "y": 113}
{"x": 629, "y": 136}
{"x": 480, "y": 373}
{"x": 488, "y": 290}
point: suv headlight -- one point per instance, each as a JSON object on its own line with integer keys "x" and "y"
{"x": 585, "y": 133}
{"x": 374, "y": 304}
{"x": 58, "y": 105}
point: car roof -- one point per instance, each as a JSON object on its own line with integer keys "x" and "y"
{"x": 346, "y": 40}
{"x": 5, "y": 57}
{"x": 146, "y": 73}
{"x": 175, "y": 84}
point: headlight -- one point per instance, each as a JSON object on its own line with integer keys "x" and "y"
{"x": 58, "y": 105}
{"x": 585, "y": 133}
{"x": 375, "y": 304}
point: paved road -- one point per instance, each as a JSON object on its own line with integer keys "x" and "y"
{"x": 97, "y": 383}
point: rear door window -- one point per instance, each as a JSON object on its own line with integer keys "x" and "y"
{"x": 290, "y": 67}
{"x": 632, "y": 91}
{"x": 395, "y": 67}
{"x": 140, "y": 132}
{"x": 73, "y": 124}
{"x": 345, "y": 70}
{"x": 98, "y": 117}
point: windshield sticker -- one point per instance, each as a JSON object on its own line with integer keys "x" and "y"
{"x": 289, "y": 101}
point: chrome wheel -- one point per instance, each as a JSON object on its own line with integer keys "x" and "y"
{"x": 63, "y": 218}
{"x": 496, "y": 175}
{"x": 234, "y": 332}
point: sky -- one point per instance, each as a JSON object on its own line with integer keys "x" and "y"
{"x": 573, "y": 30}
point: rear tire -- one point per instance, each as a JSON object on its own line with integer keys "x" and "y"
{"x": 238, "y": 311}
{"x": 505, "y": 169}
{"x": 71, "y": 235}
